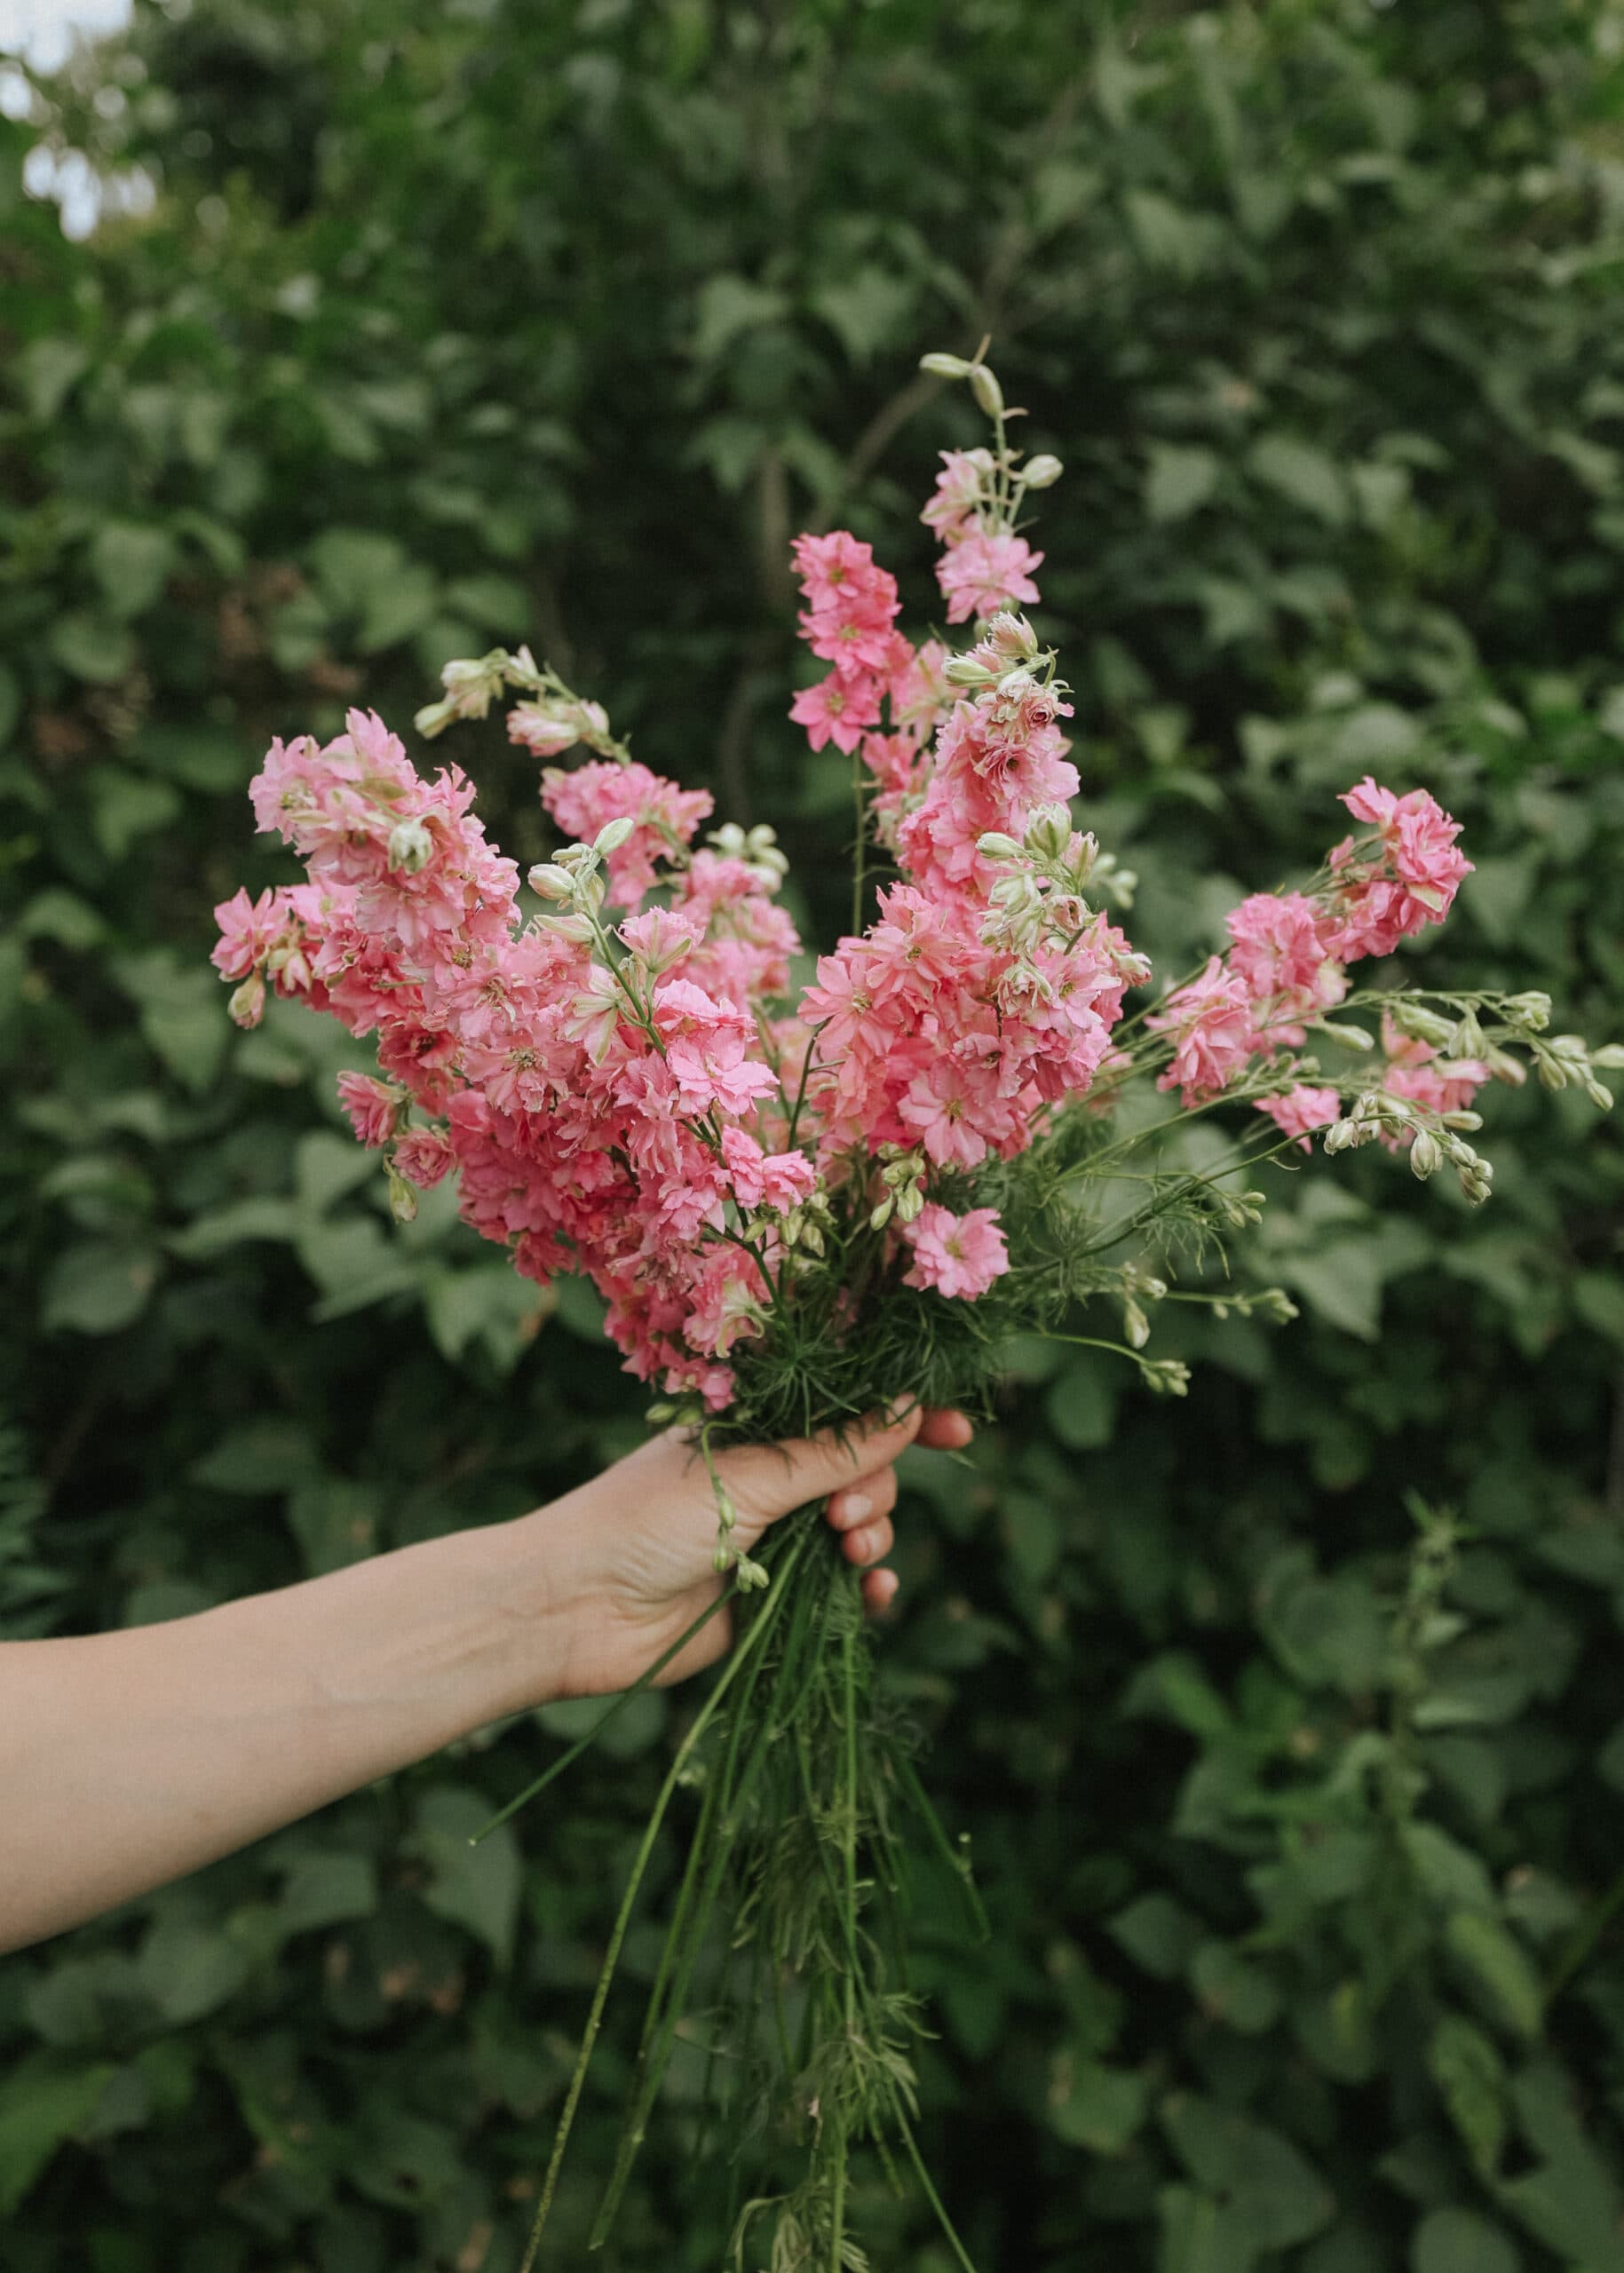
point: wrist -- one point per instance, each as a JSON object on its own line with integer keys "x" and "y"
{"x": 549, "y": 1610}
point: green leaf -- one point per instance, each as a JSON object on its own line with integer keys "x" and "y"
{"x": 1081, "y": 1406}
{"x": 1091, "y": 2105}
{"x": 400, "y": 609}
{"x": 326, "y": 1888}
{"x": 868, "y": 309}
{"x": 1232, "y": 1990}
{"x": 99, "y": 1287}
{"x": 729, "y": 306}
{"x": 132, "y": 561}
{"x": 44, "y": 2100}
{"x": 1179, "y": 481}
{"x": 1303, "y": 475}
{"x": 326, "y": 1166}
{"x": 1201, "y": 2234}
{"x": 1170, "y": 236}
{"x": 1488, "y": 1952}
{"x": 499, "y": 604}
{"x": 1470, "y": 2075}
{"x": 125, "y": 806}
{"x": 93, "y": 647}
{"x": 260, "y": 1457}
{"x": 1459, "y": 2241}
{"x": 474, "y": 1887}
{"x": 188, "y": 1970}
{"x": 1158, "y": 1933}
{"x": 1280, "y": 2199}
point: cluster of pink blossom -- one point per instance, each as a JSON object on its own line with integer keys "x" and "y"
{"x": 615, "y": 1095}
{"x": 600, "y": 1119}
{"x": 1285, "y": 967}
{"x": 982, "y": 571}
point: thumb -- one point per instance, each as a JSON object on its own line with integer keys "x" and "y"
{"x": 767, "y": 1481}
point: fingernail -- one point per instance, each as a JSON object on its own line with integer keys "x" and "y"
{"x": 897, "y": 1410}
{"x": 854, "y": 1506}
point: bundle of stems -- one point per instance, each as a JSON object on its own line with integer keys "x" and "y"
{"x": 797, "y": 1867}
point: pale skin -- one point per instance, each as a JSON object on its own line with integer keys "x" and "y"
{"x": 129, "y": 1759}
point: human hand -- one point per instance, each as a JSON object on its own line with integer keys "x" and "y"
{"x": 632, "y": 1550}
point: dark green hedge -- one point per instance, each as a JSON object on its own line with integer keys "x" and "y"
{"x": 1286, "y": 1723}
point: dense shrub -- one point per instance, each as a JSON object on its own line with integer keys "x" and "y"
{"x": 1286, "y": 1724}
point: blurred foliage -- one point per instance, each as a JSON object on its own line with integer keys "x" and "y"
{"x": 1298, "y": 1799}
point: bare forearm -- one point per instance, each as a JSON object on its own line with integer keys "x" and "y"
{"x": 127, "y": 1759}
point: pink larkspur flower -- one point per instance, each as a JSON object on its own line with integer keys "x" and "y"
{"x": 839, "y": 709}
{"x": 424, "y": 1157}
{"x": 1300, "y": 1110}
{"x": 1210, "y": 1021}
{"x": 983, "y": 574}
{"x": 373, "y": 1108}
{"x": 957, "y": 1256}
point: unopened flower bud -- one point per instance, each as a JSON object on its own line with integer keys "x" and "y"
{"x": 1426, "y": 1154}
{"x": 402, "y": 1197}
{"x": 910, "y": 1203}
{"x": 1043, "y": 471}
{"x": 1421, "y": 1023}
{"x": 1136, "y": 1325}
{"x": 946, "y": 367}
{"x": 965, "y": 671}
{"x": 1553, "y": 1074}
{"x": 986, "y": 389}
{"x": 247, "y": 1004}
{"x": 727, "y": 1515}
{"x": 1274, "y": 1306}
{"x": 659, "y": 1416}
{"x": 1349, "y": 1037}
{"x": 550, "y": 881}
{"x": 1462, "y": 1119}
{"x": 1599, "y": 1094}
{"x": 878, "y": 1217}
{"x": 1168, "y": 1377}
{"x": 612, "y": 835}
{"x": 1476, "y": 1179}
{"x": 1049, "y": 836}
{"x": 1610, "y": 1057}
{"x": 1503, "y": 1066}
{"x": 751, "y": 1577}
{"x": 411, "y": 848}
{"x": 722, "y": 1560}
{"x": 1531, "y": 1008}
{"x": 996, "y": 846}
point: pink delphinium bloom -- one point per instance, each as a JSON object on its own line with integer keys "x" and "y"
{"x": 547, "y": 729}
{"x": 983, "y": 575}
{"x": 1300, "y": 1110}
{"x": 952, "y": 509}
{"x": 1415, "y": 881}
{"x": 424, "y": 1157}
{"x": 1278, "y": 953}
{"x": 761, "y": 1179}
{"x": 374, "y": 1108}
{"x": 957, "y": 1256}
{"x": 1210, "y": 1020}
{"x": 838, "y": 710}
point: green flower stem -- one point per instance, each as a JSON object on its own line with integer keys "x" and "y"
{"x": 737, "y": 1664}
{"x": 712, "y": 1850}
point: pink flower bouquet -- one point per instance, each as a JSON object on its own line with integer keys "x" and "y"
{"x": 800, "y": 1207}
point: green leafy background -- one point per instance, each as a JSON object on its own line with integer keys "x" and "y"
{"x": 1301, "y": 1830}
